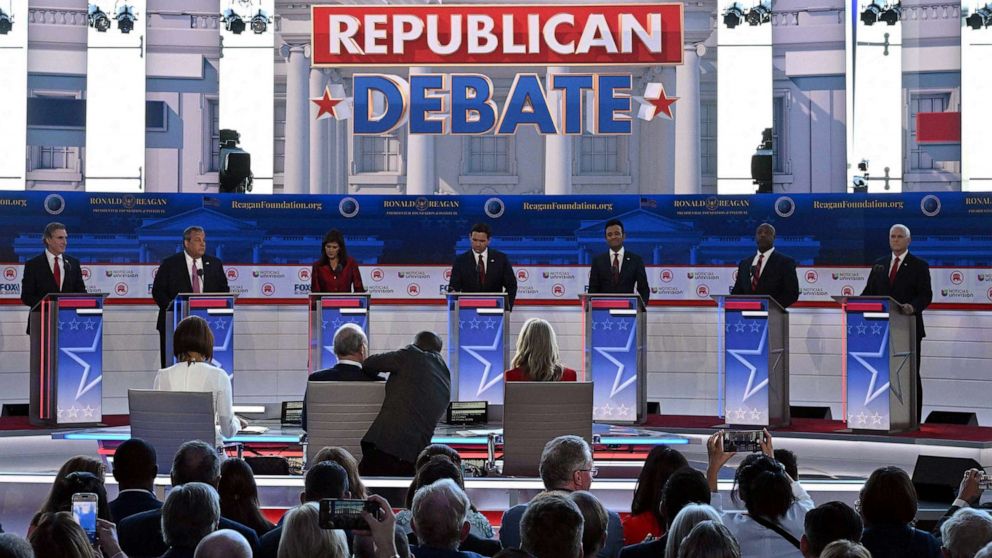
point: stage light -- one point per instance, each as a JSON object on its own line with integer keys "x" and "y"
{"x": 860, "y": 184}
{"x": 235, "y": 164}
{"x": 6, "y": 22}
{"x": 762, "y": 13}
{"x": 733, "y": 16}
{"x": 233, "y": 22}
{"x": 872, "y": 13}
{"x": 761, "y": 163}
{"x": 98, "y": 19}
{"x": 125, "y": 18}
{"x": 981, "y": 18}
{"x": 260, "y": 22}
{"x": 892, "y": 14}
{"x": 863, "y": 165}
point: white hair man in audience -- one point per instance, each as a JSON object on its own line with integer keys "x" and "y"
{"x": 566, "y": 465}
{"x": 12, "y": 546}
{"x": 225, "y": 543}
{"x": 552, "y": 527}
{"x": 965, "y": 533}
{"x": 191, "y": 512}
{"x": 440, "y": 520}
{"x": 351, "y": 347}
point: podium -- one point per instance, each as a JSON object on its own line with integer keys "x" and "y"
{"x": 67, "y": 360}
{"x": 753, "y": 360}
{"x": 218, "y": 310}
{"x": 328, "y": 312}
{"x": 478, "y": 340}
{"x": 878, "y": 365}
{"x": 614, "y": 330}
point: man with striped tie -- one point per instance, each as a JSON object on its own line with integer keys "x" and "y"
{"x": 52, "y": 271}
{"x": 618, "y": 270}
{"x": 769, "y": 272}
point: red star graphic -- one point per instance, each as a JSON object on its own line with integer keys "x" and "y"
{"x": 662, "y": 103}
{"x": 326, "y": 104}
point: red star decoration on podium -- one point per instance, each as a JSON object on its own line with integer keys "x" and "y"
{"x": 662, "y": 103}
{"x": 326, "y": 104}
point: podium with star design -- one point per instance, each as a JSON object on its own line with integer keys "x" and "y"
{"x": 67, "y": 360}
{"x": 878, "y": 365}
{"x": 218, "y": 311}
{"x": 328, "y": 312}
{"x": 614, "y": 330}
{"x": 752, "y": 360}
{"x": 478, "y": 340}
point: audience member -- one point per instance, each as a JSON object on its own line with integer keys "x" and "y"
{"x": 351, "y": 347}
{"x": 344, "y": 458}
{"x": 711, "y": 539}
{"x": 191, "y": 512}
{"x": 77, "y": 464}
{"x": 789, "y": 461}
{"x": 239, "y": 496}
{"x": 302, "y": 536}
{"x": 888, "y": 507}
{"x": 685, "y": 486}
{"x": 384, "y": 540}
{"x": 776, "y": 504}
{"x": 440, "y": 520}
{"x": 135, "y": 467}
{"x": 12, "y": 546}
{"x": 645, "y": 510}
{"x": 196, "y": 461}
{"x": 224, "y": 543}
{"x": 551, "y": 527}
{"x": 60, "y": 497}
{"x": 594, "y": 522}
{"x": 844, "y": 548}
{"x": 57, "y": 535}
{"x": 437, "y": 468}
{"x": 966, "y": 532}
{"x": 985, "y": 552}
{"x": 566, "y": 464}
{"x": 437, "y": 449}
{"x": 326, "y": 479}
{"x": 829, "y": 522}
{"x": 969, "y": 493}
{"x": 690, "y": 516}
{"x": 537, "y": 358}
{"x": 106, "y": 534}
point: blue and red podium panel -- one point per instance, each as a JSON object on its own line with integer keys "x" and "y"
{"x": 67, "y": 360}
{"x": 613, "y": 345}
{"x": 478, "y": 338}
{"x": 328, "y": 312}
{"x": 218, "y": 311}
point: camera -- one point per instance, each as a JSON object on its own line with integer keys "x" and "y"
{"x": 742, "y": 440}
{"x": 347, "y": 514}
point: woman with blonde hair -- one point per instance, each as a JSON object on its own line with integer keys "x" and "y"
{"x": 537, "y": 358}
{"x": 845, "y": 549}
{"x": 302, "y": 536}
{"x": 348, "y": 462}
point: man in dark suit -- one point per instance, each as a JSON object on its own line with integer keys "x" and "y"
{"x": 905, "y": 278}
{"x": 134, "y": 469}
{"x": 618, "y": 271}
{"x": 52, "y": 271}
{"x": 351, "y": 346}
{"x": 483, "y": 269}
{"x": 685, "y": 486}
{"x": 189, "y": 271}
{"x": 769, "y": 272}
{"x": 417, "y": 395}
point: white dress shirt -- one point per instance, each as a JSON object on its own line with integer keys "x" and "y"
{"x": 758, "y": 541}
{"x": 619, "y": 254}
{"x": 51, "y": 265}
{"x": 200, "y": 376}
{"x": 767, "y": 255}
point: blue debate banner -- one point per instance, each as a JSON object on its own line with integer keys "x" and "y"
{"x": 745, "y": 361}
{"x": 219, "y": 315}
{"x": 334, "y": 314}
{"x": 613, "y": 353}
{"x": 80, "y": 362}
{"x": 867, "y": 364}
{"x": 478, "y": 331}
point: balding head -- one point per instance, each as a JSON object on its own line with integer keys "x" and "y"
{"x": 226, "y": 543}
{"x": 351, "y": 343}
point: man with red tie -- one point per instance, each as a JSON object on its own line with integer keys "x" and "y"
{"x": 53, "y": 271}
{"x": 483, "y": 269}
{"x": 618, "y": 271}
{"x": 905, "y": 278}
{"x": 769, "y": 272}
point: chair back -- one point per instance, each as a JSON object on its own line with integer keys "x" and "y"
{"x": 168, "y": 419}
{"x": 340, "y": 413}
{"x": 536, "y": 412}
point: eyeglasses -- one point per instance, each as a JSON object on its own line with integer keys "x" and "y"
{"x": 593, "y": 471}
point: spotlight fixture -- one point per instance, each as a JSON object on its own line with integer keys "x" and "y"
{"x": 233, "y": 22}
{"x": 762, "y": 13}
{"x": 733, "y": 16}
{"x": 126, "y": 16}
{"x": 892, "y": 14}
{"x": 863, "y": 165}
{"x": 871, "y": 13}
{"x": 860, "y": 182}
{"x": 260, "y": 22}
{"x": 98, "y": 19}
{"x": 981, "y": 18}
{"x": 6, "y": 22}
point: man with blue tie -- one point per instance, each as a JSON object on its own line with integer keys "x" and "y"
{"x": 52, "y": 271}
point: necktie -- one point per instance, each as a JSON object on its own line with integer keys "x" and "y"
{"x": 892, "y": 274}
{"x": 196, "y": 278}
{"x": 57, "y": 271}
{"x": 616, "y": 268}
{"x": 757, "y": 273}
{"x": 482, "y": 272}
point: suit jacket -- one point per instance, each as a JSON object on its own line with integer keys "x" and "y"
{"x": 426, "y": 552}
{"x": 650, "y": 549}
{"x": 39, "y": 280}
{"x": 633, "y": 276}
{"x": 912, "y": 285}
{"x": 499, "y": 275}
{"x": 173, "y": 278}
{"x": 777, "y": 280}
{"x": 340, "y": 372}
{"x": 417, "y": 395}
{"x": 131, "y": 503}
{"x": 141, "y": 535}
{"x": 509, "y": 531}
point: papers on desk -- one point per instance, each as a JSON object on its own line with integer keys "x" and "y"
{"x": 467, "y": 433}
{"x": 253, "y": 430}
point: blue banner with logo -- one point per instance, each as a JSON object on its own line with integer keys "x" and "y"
{"x": 746, "y": 361}
{"x": 80, "y": 365}
{"x": 868, "y": 374}
{"x": 613, "y": 353}
{"x": 336, "y": 312}
{"x": 477, "y": 330}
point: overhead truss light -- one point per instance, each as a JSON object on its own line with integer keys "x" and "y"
{"x": 981, "y": 18}
{"x": 260, "y": 22}
{"x": 98, "y": 18}
{"x": 762, "y": 13}
{"x": 126, "y": 16}
{"x": 733, "y": 16}
{"x": 6, "y": 22}
{"x": 887, "y": 13}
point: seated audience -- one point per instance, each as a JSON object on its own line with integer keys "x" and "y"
{"x": 567, "y": 465}
{"x": 326, "y": 479}
{"x": 711, "y": 539}
{"x": 552, "y": 527}
{"x": 12, "y": 546}
{"x": 844, "y": 548}
{"x": 302, "y": 536}
{"x": 135, "y": 467}
{"x": 690, "y": 516}
{"x": 685, "y": 486}
{"x": 440, "y": 521}
{"x": 537, "y": 358}
{"x": 829, "y": 522}
{"x": 196, "y": 461}
{"x": 351, "y": 347}
{"x": 776, "y": 504}
{"x": 224, "y": 543}
{"x": 437, "y": 468}
{"x": 888, "y": 508}
{"x": 191, "y": 512}
{"x": 193, "y": 347}
{"x": 344, "y": 458}
{"x": 966, "y": 532}
{"x": 60, "y": 497}
{"x": 594, "y": 522}
{"x": 239, "y": 496}
{"x": 57, "y": 535}
{"x": 645, "y": 510}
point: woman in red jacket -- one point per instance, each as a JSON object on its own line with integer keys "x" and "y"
{"x": 537, "y": 356}
{"x": 336, "y": 272}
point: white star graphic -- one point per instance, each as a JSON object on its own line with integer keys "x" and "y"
{"x": 862, "y": 329}
{"x": 756, "y": 414}
{"x": 741, "y": 413}
{"x": 755, "y": 327}
{"x": 490, "y": 324}
{"x": 872, "y": 394}
{"x": 740, "y": 327}
{"x": 876, "y": 329}
{"x": 618, "y": 383}
{"x": 623, "y": 325}
{"x": 751, "y": 389}
{"x": 73, "y": 412}
{"x": 475, "y": 323}
{"x": 485, "y": 383}
{"x": 74, "y": 324}
{"x": 74, "y": 352}
{"x": 862, "y": 418}
{"x": 61, "y": 412}
{"x": 876, "y": 418}
{"x": 90, "y": 324}
{"x": 223, "y": 348}
{"x": 88, "y": 411}
{"x": 608, "y": 325}
{"x": 218, "y": 324}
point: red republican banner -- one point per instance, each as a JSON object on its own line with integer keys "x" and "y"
{"x": 497, "y": 35}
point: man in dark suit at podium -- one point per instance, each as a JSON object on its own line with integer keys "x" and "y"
{"x": 351, "y": 346}
{"x": 483, "y": 269}
{"x": 905, "y": 278}
{"x": 52, "y": 271}
{"x": 189, "y": 271}
{"x": 769, "y": 272}
{"x": 618, "y": 271}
